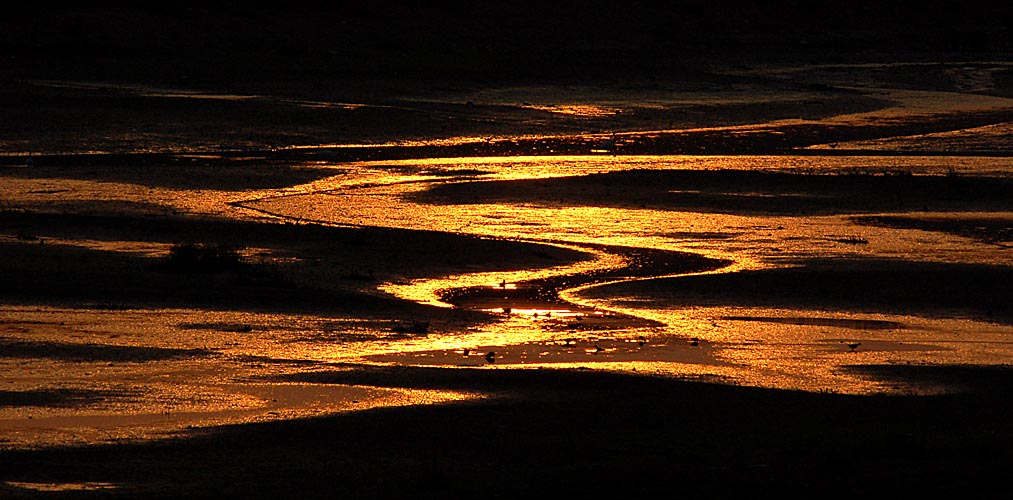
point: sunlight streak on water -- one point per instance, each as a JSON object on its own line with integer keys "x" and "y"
{"x": 426, "y": 291}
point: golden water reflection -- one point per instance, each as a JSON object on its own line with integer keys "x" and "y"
{"x": 208, "y": 367}
{"x": 785, "y": 348}
{"x": 109, "y": 374}
{"x": 778, "y": 354}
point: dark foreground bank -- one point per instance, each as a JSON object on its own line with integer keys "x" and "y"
{"x": 572, "y": 433}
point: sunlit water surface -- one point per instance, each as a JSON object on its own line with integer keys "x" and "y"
{"x": 681, "y": 340}
{"x": 197, "y": 368}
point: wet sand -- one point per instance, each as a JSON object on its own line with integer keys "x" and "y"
{"x": 127, "y": 375}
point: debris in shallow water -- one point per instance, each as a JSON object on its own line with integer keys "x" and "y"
{"x": 852, "y": 240}
{"x": 418, "y": 327}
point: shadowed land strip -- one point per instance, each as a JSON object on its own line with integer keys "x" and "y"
{"x": 874, "y": 285}
{"x": 56, "y": 398}
{"x": 366, "y": 246}
{"x": 295, "y": 267}
{"x": 569, "y": 433}
{"x": 857, "y": 324}
{"x": 456, "y": 379}
{"x": 211, "y": 170}
{"x": 739, "y": 192}
{"x": 544, "y": 293}
{"x": 980, "y": 379}
{"x": 183, "y": 130}
{"x": 994, "y": 230}
{"x": 63, "y": 274}
{"x": 66, "y": 351}
{"x": 246, "y": 141}
{"x": 247, "y": 166}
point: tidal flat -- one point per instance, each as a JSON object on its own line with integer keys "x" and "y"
{"x": 783, "y": 275}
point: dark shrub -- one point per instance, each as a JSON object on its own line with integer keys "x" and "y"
{"x": 204, "y": 258}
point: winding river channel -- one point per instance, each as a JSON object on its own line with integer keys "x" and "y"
{"x": 814, "y": 270}
{"x": 616, "y": 318}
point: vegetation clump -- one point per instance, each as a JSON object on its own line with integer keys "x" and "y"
{"x": 204, "y": 258}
